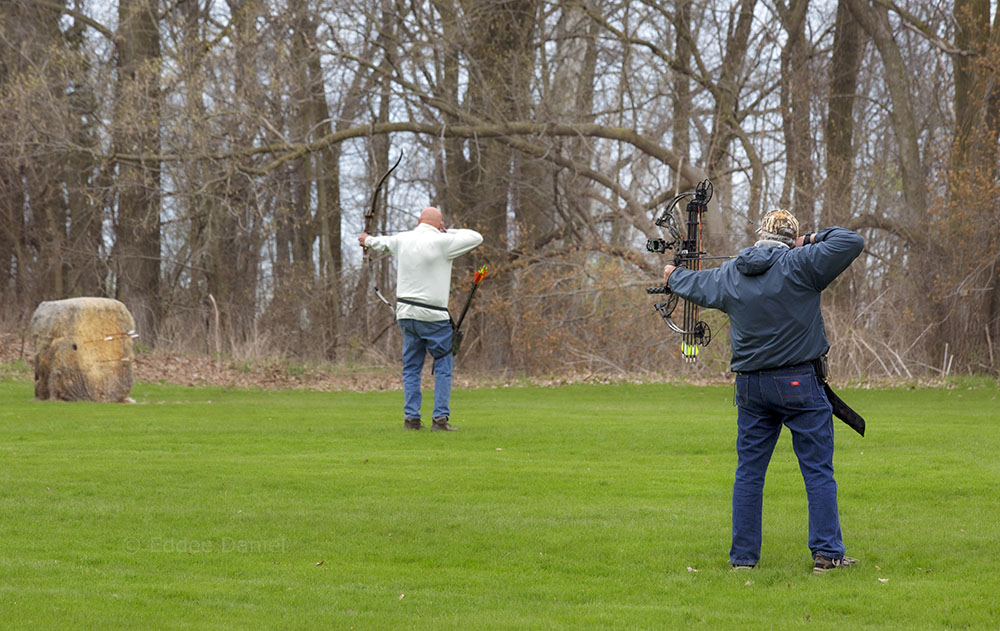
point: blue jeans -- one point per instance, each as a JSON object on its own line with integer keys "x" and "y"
{"x": 420, "y": 338}
{"x": 768, "y": 399}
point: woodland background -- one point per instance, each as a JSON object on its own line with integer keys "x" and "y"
{"x": 208, "y": 162}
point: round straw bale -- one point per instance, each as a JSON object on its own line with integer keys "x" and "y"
{"x": 83, "y": 350}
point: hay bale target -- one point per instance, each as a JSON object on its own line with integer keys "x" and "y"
{"x": 83, "y": 350}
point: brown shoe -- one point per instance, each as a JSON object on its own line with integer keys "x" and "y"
{"x": 441, "y": 424}
{"x": 412, "y": 423}
{"x": 823, "y": 564}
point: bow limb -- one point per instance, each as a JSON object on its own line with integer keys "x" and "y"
{"x": 370, "y": 215}
{"x": 369, "y": 221}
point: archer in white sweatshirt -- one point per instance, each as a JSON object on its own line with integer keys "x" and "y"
{"x": 424, "y": 258}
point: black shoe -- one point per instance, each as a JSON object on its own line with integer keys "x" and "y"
{"x": 743, "y": 566}
{"x": 822, "y": 564}
{"x": 411, "y": 423}
{"x": 441, "y": 424}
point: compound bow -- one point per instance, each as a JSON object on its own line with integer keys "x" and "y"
{"x": 688, "y": 253}
{"x": 369, "y": 220}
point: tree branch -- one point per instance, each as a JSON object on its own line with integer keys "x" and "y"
{"x": 94, "y": 24}
{"x": 920, "y": 27}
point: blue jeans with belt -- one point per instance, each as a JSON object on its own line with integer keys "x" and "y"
{"x": 767, "y": 400}
{"x": 420, "y": 338}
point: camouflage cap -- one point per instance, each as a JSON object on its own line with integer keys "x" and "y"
{"x": 779, "y": 223}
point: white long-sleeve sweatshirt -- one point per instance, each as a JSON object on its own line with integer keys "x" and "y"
{"x": 423, "y": 266}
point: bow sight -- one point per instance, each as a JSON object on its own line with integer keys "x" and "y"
{"x": 660, "y": 246}
{"x": 687, "y": 253}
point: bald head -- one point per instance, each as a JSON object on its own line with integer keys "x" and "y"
{"x": 432, "y": 217}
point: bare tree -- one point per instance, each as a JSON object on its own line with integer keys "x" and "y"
{"x": 796, "y": 98}
{"x": 845, "y": 63}
{"x": 195, "y": 155}
{"x": 136, "y": 136}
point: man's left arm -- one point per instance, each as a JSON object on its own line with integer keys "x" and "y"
{"x": 702, "y": 287}
{"x": 380, "y": 243}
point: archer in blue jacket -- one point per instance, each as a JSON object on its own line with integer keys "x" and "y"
{"x": 771, "y": 292}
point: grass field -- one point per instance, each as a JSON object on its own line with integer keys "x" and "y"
{"x": 577, "y": 507}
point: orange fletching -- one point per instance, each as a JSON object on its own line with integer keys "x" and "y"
{"x": 480, "y": 275}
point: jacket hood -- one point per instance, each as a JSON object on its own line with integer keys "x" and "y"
{"x": 754, "y": 260}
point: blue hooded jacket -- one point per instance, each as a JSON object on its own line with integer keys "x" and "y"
{"x": 772, "y": 296}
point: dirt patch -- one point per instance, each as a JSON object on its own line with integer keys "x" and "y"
{"x": 285, "y": 375}
{"x": 265, "y": 374}
{"x": 165, "y": 368}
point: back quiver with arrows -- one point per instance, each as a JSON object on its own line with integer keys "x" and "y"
{"x": 456, "y": 334}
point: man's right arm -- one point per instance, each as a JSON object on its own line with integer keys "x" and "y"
{"x": 462, "y": 240}
{"x": 831, "y": 252}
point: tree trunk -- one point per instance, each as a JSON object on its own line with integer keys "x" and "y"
{"x": 838, "y": 205}
{"x": 845, "y": 64}
{"x": 798, "y": 193}
{"x": 137, "y": 121}
{"x": 326, "y": 173}
{"x": 725, "y": 121}
{"x": 974, "y": 186}
{"x": 500, "y": 55}
{"x": 977, "y": 91}
{"x": 874, "y": 19}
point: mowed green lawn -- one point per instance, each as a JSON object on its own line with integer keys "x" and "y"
{"x": 576, "y": 507}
